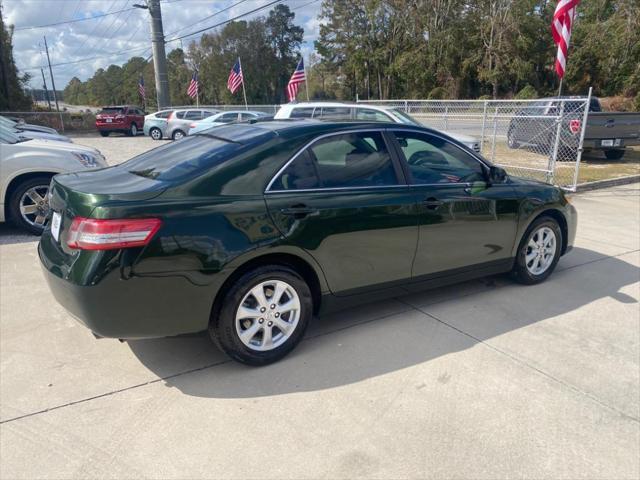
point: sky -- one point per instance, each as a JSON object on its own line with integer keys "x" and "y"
{"x": 113, "y": 39}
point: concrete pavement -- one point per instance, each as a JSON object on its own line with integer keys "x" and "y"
{"x": 486, "y": 379}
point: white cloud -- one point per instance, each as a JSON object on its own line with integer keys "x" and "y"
{"x": 128, "y": 31}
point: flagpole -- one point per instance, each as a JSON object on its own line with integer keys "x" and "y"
{"x": 306, "y": 80}
{"x": 244, "y": 93}
{"x": 566, "y": 60}
{"x": 197, "y": 90}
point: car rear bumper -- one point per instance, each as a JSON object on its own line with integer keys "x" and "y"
{"x": 112, "y": 126}
{"x": 127, "y": 307}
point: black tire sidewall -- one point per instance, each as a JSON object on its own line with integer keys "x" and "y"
{"x": 520, "y": 271}
{"x": 177, "y": 132}
{"x": 155, "y": 129}
{"x": 222, "y": 327}
{"x": 104, "y": 134}
{"x": 14, "y": 203}
{"x": 614, "y": 154}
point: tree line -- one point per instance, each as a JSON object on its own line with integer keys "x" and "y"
{"x": 382, "y": 49}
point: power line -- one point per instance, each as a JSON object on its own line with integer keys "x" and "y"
{"x": 34, "y": 27}
{"x": 206, "y": 18}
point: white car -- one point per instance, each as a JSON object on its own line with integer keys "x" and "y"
{"x": 222, "y": 118}
{"x": 363, "y": 112}
{"x": 26, "y": 168}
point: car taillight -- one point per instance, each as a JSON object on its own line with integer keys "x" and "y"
{"x": 99, "y": 234}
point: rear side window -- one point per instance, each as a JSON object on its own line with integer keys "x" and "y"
{"x": 305, "y": 112}
{"x": 207, "y": 114}
{"x": 180, "y": 114}
{"x": 340, "y": 161}
{"x": 193, "y": 115}
{"x": 371, "y": 115}
{"x": 163, "y": 114}
{"x": 181, "y": 160}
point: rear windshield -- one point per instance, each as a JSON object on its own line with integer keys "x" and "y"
{"x": 183, "y": 159}
{"x": 112, "y": 110}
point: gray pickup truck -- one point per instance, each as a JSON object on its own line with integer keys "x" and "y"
{"x": 611, "y": 132}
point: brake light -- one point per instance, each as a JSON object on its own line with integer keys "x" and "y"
{"x": 98, "y": 234}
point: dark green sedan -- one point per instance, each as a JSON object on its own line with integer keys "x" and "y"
{"x": 249, "y": 230}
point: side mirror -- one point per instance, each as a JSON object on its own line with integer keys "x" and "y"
{"x": 497, "y": 175}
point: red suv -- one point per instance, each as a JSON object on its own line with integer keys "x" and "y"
{"x": 125, "y": 118}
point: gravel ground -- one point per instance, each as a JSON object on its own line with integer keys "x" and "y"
{"x": 117, "y": 148}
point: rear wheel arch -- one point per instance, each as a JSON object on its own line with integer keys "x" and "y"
{"x": 16, "y": 182}
{"x": 296, "y": 263}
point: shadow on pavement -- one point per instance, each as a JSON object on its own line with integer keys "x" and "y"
{"x": 10, "y": 235}
{"x": 371, "y": 340}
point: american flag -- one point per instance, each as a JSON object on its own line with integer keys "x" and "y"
{"x": 561, "y": 30}
{"x": 297, "y": 78}
{"x": 192, "y": 91}
{"x": 235, "y": 77}
{"x": 141, "y": 86}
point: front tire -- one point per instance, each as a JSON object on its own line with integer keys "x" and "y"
{"x": 263, "y": 316}
{"x": 539, "y": 251}
{"x": 178, "y": 135}
{"x": 616, "y": 154}
{"x": 29, "y": 204}
{"x": 155, "y": 133}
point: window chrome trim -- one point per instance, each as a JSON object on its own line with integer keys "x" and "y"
{"x": 330, "y": 189}
{"x": 326, "y": 135}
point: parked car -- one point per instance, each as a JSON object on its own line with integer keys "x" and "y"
{"x": 155, "y": 124}
{"x": 369, "y": 113}
{"x": 258, "y": 227}
{"x": 127, "y": 119}
{"x": 222, "y": 118}
{"x": 611, "y": 132}
{"x": 26, "y": 168}
{"x": 29, "y": 135}
{"x": 26, "y": 127}
{"x": 180, "y": 120}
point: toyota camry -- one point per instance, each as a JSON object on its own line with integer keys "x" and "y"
{"x": 249, "y": 230}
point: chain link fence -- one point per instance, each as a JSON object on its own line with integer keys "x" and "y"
{"x": 539, "y": 139}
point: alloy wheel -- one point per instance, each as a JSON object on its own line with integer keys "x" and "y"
{"x": 34, "y": 206}
{"x": 134, "y": 130}
{"x": 267, "y": 315}
{"x": 156, "y": 134}
{"x": 540, "y": 251}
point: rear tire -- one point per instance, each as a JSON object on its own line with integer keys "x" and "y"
{"x": 155, "y": 133}
{"x": 616, "y": 154}
{"x": 539, "y": 252}
{"x": 259, "y": 317}
{"x": 104, "y": 133}
{"x": 178, "y": 135}
{"x": 29, "y": 204}
{"x": 133, "y": 130}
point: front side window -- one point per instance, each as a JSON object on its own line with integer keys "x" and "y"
{"x": 304, "y": 112}
{"x": 434, "y": 160}
{"x": 335, "y": 113}
{"x": 228, "y": 118}
{"x": 370, "y": 115}
{"x": 193, "y": 115}
{"x": 181, "y": 114}
{"x": 207, "y": 114}
{"x": 340, "y": 161}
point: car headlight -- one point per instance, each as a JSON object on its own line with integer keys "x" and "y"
{"x": 86, "y": 159}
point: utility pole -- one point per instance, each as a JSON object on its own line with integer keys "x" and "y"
{"x": 44, "y": 85}
{"x": 159, "y": 55}
{"x": 53, "y": 83}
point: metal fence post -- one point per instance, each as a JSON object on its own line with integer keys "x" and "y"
{"x": 585, "y": 117}
{"x": 484, "y": 121}
{"x": 446, "y": 117}
{"x": 406, "y": 106}
{"x": 495, "y": 131}
{"x": 551, "y": 167}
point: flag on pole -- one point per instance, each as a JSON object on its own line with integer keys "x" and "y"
{"x": 297, "y": 78}
{"x": 561, "y": 30}
{"x": 235, "y": 77}
{"x": 192, "y": 91}
{"x": 141, "y": 87}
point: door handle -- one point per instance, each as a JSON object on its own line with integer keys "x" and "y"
{"x": 432, "y": 203}
{"x": 298, "y": 211}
